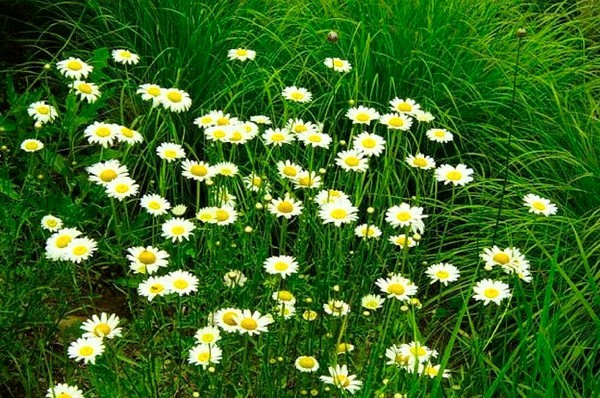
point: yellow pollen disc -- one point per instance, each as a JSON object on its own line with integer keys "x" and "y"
{"x": 249, "y": 324}
{"x": 431, "y": 371}
{"x": 86, "y": 351}
{"x": 103, "y": 132}
{"x": 369, "y": 143}
{"x": 337, "y": 63}
{"x": 122, "y": 188}
{"x": 401, "y": 240}
{"x": 418, "y": 351}
{"x": 343, "y": 347}
{"x": 442, "y": 274}
{"x": 218, "y": 134}
{"x": 208, "y": 338}
{"x": 403, "y": 216}
{"x": 236, "y": 136}
{"x": 125, "y": 54}
{"x": 539, "y": 205}
{"x": 222, "y": 215}
{"x": 223, "y": 121}
{"x": 80, "y": 250}
{"x": 454, "y": 175}
{"x": 241, "y": 52}
{"x": 297, "y": 96}
{"x": 352, "y": 161}
{"x": 369, "y": 231}
{"x": 315, "y": 138}
{"x": 439, "y": 133}
{"x": 51, "y": 223}
{"x": 404, "y": 107}
{"x": 174, "y": 96}
{"x": 342, "y": 381}
{"x": 154, "y": 205}
{"x": 257, "y": 181}
{"x": 102, "y": 330}
{"x": 305, "y": 181}
{"x": 284, "y": 295}
{"x": 170, "y": 153}
{"x": 85, "y": 88}
{"x": 206, "y": 217}
{"x": 285, "y": 207}
{"x": 501, "y": 258}
{"x": 420, "y": 162}
{"x": 339, "y": 214}
{"x": 290, "y": 171}
{"x": 155, "y": 289}
{"x": 205, "y": 119}
{"x": 177, "y": 230}
{"x": 277, "y": 137}
{"x": 127, "y": 132}
{"x": 306, "y": 362}
{"x": 396, "y": 288}
{"x": 281, "y": 266}
{"x": 198, "y": 170}
{"x": 63, "y": 241}
{"x": 491, "y": 292}
{"x": 396, "y": 122}
{"x": 153, "y": 91}
{"x": 74, "y": 65}
{"x": 64, "y": 395}
{"x": 300, "y": 128}
{"x": 44, "y": 110}
{"x": 108, "y": 175}
{"x": 204, "y": 357}
{"x": 31, "y": 145}
{"x": 147, "y": 257}
{"x": 180, "y": 284}
{"x": 401, "y": 359}
{"x": 363, "y": 117}
{"x": 228, "y": 318}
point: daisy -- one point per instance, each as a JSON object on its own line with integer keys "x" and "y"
{"x": 255, "y": 183}
{"x": 155, "y": 204}
{"x": 288, "y": 169}
{"x": 396, "y": 121}
{"x": 339, "y": 377}
{"x": 199, "y": 171}
{"x": 488, "y": 290}
{"x": 344, "y": 348}
{"x": 397, "y": 287}
{"x": 103, "y": 326}
{"x": 225, "y": 215}
{"x": 309, "y": 315}
{"x": 408, "y": 106}
{"x": 281, "y": 265}
{"x": 459, "y": 175}
{"x": 226, "y": 169}
{"x": 151, "y": 92}
{"x": 278, "y": 137}
{"x": 395, "y": 356}
{"x": 104, "y": 172}
{"x": 128, "y": 135}
{"x": 179, "y": 210}
{"x": 32, "y": 145}
{"x": 175, "y": 100}
{"x": 223, "y": 119}
{"x": 329, "y": 196}
{"x": 439, "y": 135}
{"x": 307, "y": 179}
{"x": 495, "y": 256}
{"x": 369, "y": 144}
{"x": 226, "y": 319}
{"x": 286, "y": 207}
{"x": 253, "y": 322}
{"x": 80, "y": 249}
{"x": 205, "y": 354}
{"x": 362, "y": 115}
{"x": 101, "y": 133}
{"x": 64, "y": 390}
{"x": 296, "y": 94}
{"x": 352, "y": 160}
{"x": 372, "y": 301}
{"x": 443, "y": 273}
{"x": 181, "y": 282}
{"x": 539, "y": 205}
{"x": 336, "y": 308}
{"x": 234, "y": 278}
{"x": 404, "y": 215}
{"x": 367, "y": 231}
{"x": 74, "y": 68}
{"x": 298, "y": 126}
{"x": 217, "y": 133}
{"x": 260, "y": 119}
{"x": 86, "y": 91}
{"x": 204, "y": 121}
{"x": 147, "y": 259}
{"x": 423, "y": 117}
{"x": 125, "y": 57}
{"x": 177, "y": 229}
{"x": 51, "y": 223}
{"x": 121, "y": 188}
{"x": 306, "y": 364}
{"x": 338, "y": 65}
{"x": 208, "y": 335}
{"x": 170, "y": 151}
{"x": 339, "y": 212}
{"x": 153, "y": 286}
{"x": 57, "y": 244}
{"x": 420, "y": 161}
{"x": 403, "y": 241}
{"x": 237, "y": 135}
{"x": 416, "y": 353}
{"x": 316, "y": 139}
{"x": 86, "y": 349}
{"x": 207, "y": 215}
{"x": 284, "y": 296}
{"x": 433, "y": 371}
{"x": 241, "y": 54}
{"x": 42, "y": 112}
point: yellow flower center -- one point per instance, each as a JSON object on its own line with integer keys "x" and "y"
{"x": 154, "y": 205}
{"x": 403, "y": 216}
{"x": 127, "y": 132}
{"x": 86, "y": 351}
{"x": 32, "y": 145}
{"x": 256, "y": 181}
{"x": 401, "y": 360}
{"x": 420, "y": 162}
{"x": 206, "y": 217}
{"x": 369, "y": 231}
{"x": 352, "y": 161}
{"x": 369, "y": 143}
{"x": 454, "y": 175}
{"x": 103, "y": 132}
{"x": 249, "y": 324}
{"x": 102, "y": 330}
{"x": 206, "y": 119}
{"x": 170, "y": 153}
{"x": 341, "y": 381}
{"x": 343, "y": 347}
{"x": 363, "y": 117}
{"x": 198, "y": 170}
{"x": 315, "y": 138}
{"x": 63, "y": 241}
{"x": 174, "y": 96}
{"x": 439, "y": 133}
{"x": 278, "y": 137}
{"x": 404, "y": 107}
{"x": 204, "y": 356}
{"x": 80, "y": 250}
{"x": 125, "y": 54}
{"x": 431, "y": 371}
{"x": 228, "y": 318}
{"x": 177, "y": 230}
{"x": 241, "y": 52}
{"x": 85, "y": 88}
{"x": 305, "y": 181}
{"x": 285, "y": 207}
{"x": 180, "y": 284}
{"x": 306, "y": 362}
{"x": 501, "y": 258}
{"x": 208, "y": 338}
{"x": 339, "y": 214}
{"x": 337, "y": 63}
{"x": 43, "y": 109}
{"x": 300, "y": 128}
{"x": 442, "y": 274}
{"x": 64, "y": 395}
{"x": 74, "y": 65}
{"x": 491, "y": 292}
{"x": 284, "y": 295}
{"x": 401, "y": 240}
{"x": 108, "y": 175}
{"x": 396, "y": 121}
{"x": 236, "y": 136}
{"x": 153, "y": 91}
{"x": 281, "y": 266}
{"x": 147, "y": 257}
{"x": 223, "y": 121}
{"x": 396, "y": 288}
{"x": 222, "y": 215}
{"x": 290, "y": 171}
{"x": 51, "y": 223}
{"x": 418, "y": 351}
{"x": 122, "y": 188}
{"x": 155, "y": 289}
{"x": 297, "y": 95}
{"x": 539, "y": 205}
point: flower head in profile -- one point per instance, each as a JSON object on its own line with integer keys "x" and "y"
{"x": 86, "y": 349}
{"x": 260, "y": 119}
{"x": 307, "y": 180}
{"x": 423, "y": 117}
{"x": 234, "y": 277}
{"x": 362, "y": 115}
{"x": 175, "y": 100}
{"x": 338, "y": 65}
{"x": 31, "y": 145}
{"x": 403, "y": 241}
{"x": 241, "y": 54}
{"x": 372, "y": 301}
{"x": 125, "y": 57}
{"x": 102, "y": 326}
{"x": 488, "y": 290}
{"x": 329, "y": 196}
{"x": 459, "y": 175}
{"x": 288, "y": 169}
{"x": 539, "y": 205}
{"x": 86, "y": 91}
{"x": 296, "y": 94}
{"x": 74, "y": 68}
{"x": 340, "y": 378}
{"x": 42, "y": 112}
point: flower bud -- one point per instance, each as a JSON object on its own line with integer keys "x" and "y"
{"x": 332, "y": 37}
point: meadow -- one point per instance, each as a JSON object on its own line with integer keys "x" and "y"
{"x": 300, "y": 198}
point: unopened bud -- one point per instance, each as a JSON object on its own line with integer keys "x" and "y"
{"x": 332, "y": 37}
{"x": 521, "y": 32}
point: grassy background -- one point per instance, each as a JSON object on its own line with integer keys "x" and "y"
{"x": 456, "y": 58}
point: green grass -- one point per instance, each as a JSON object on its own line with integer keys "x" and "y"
{"x": 456, "y": 58}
